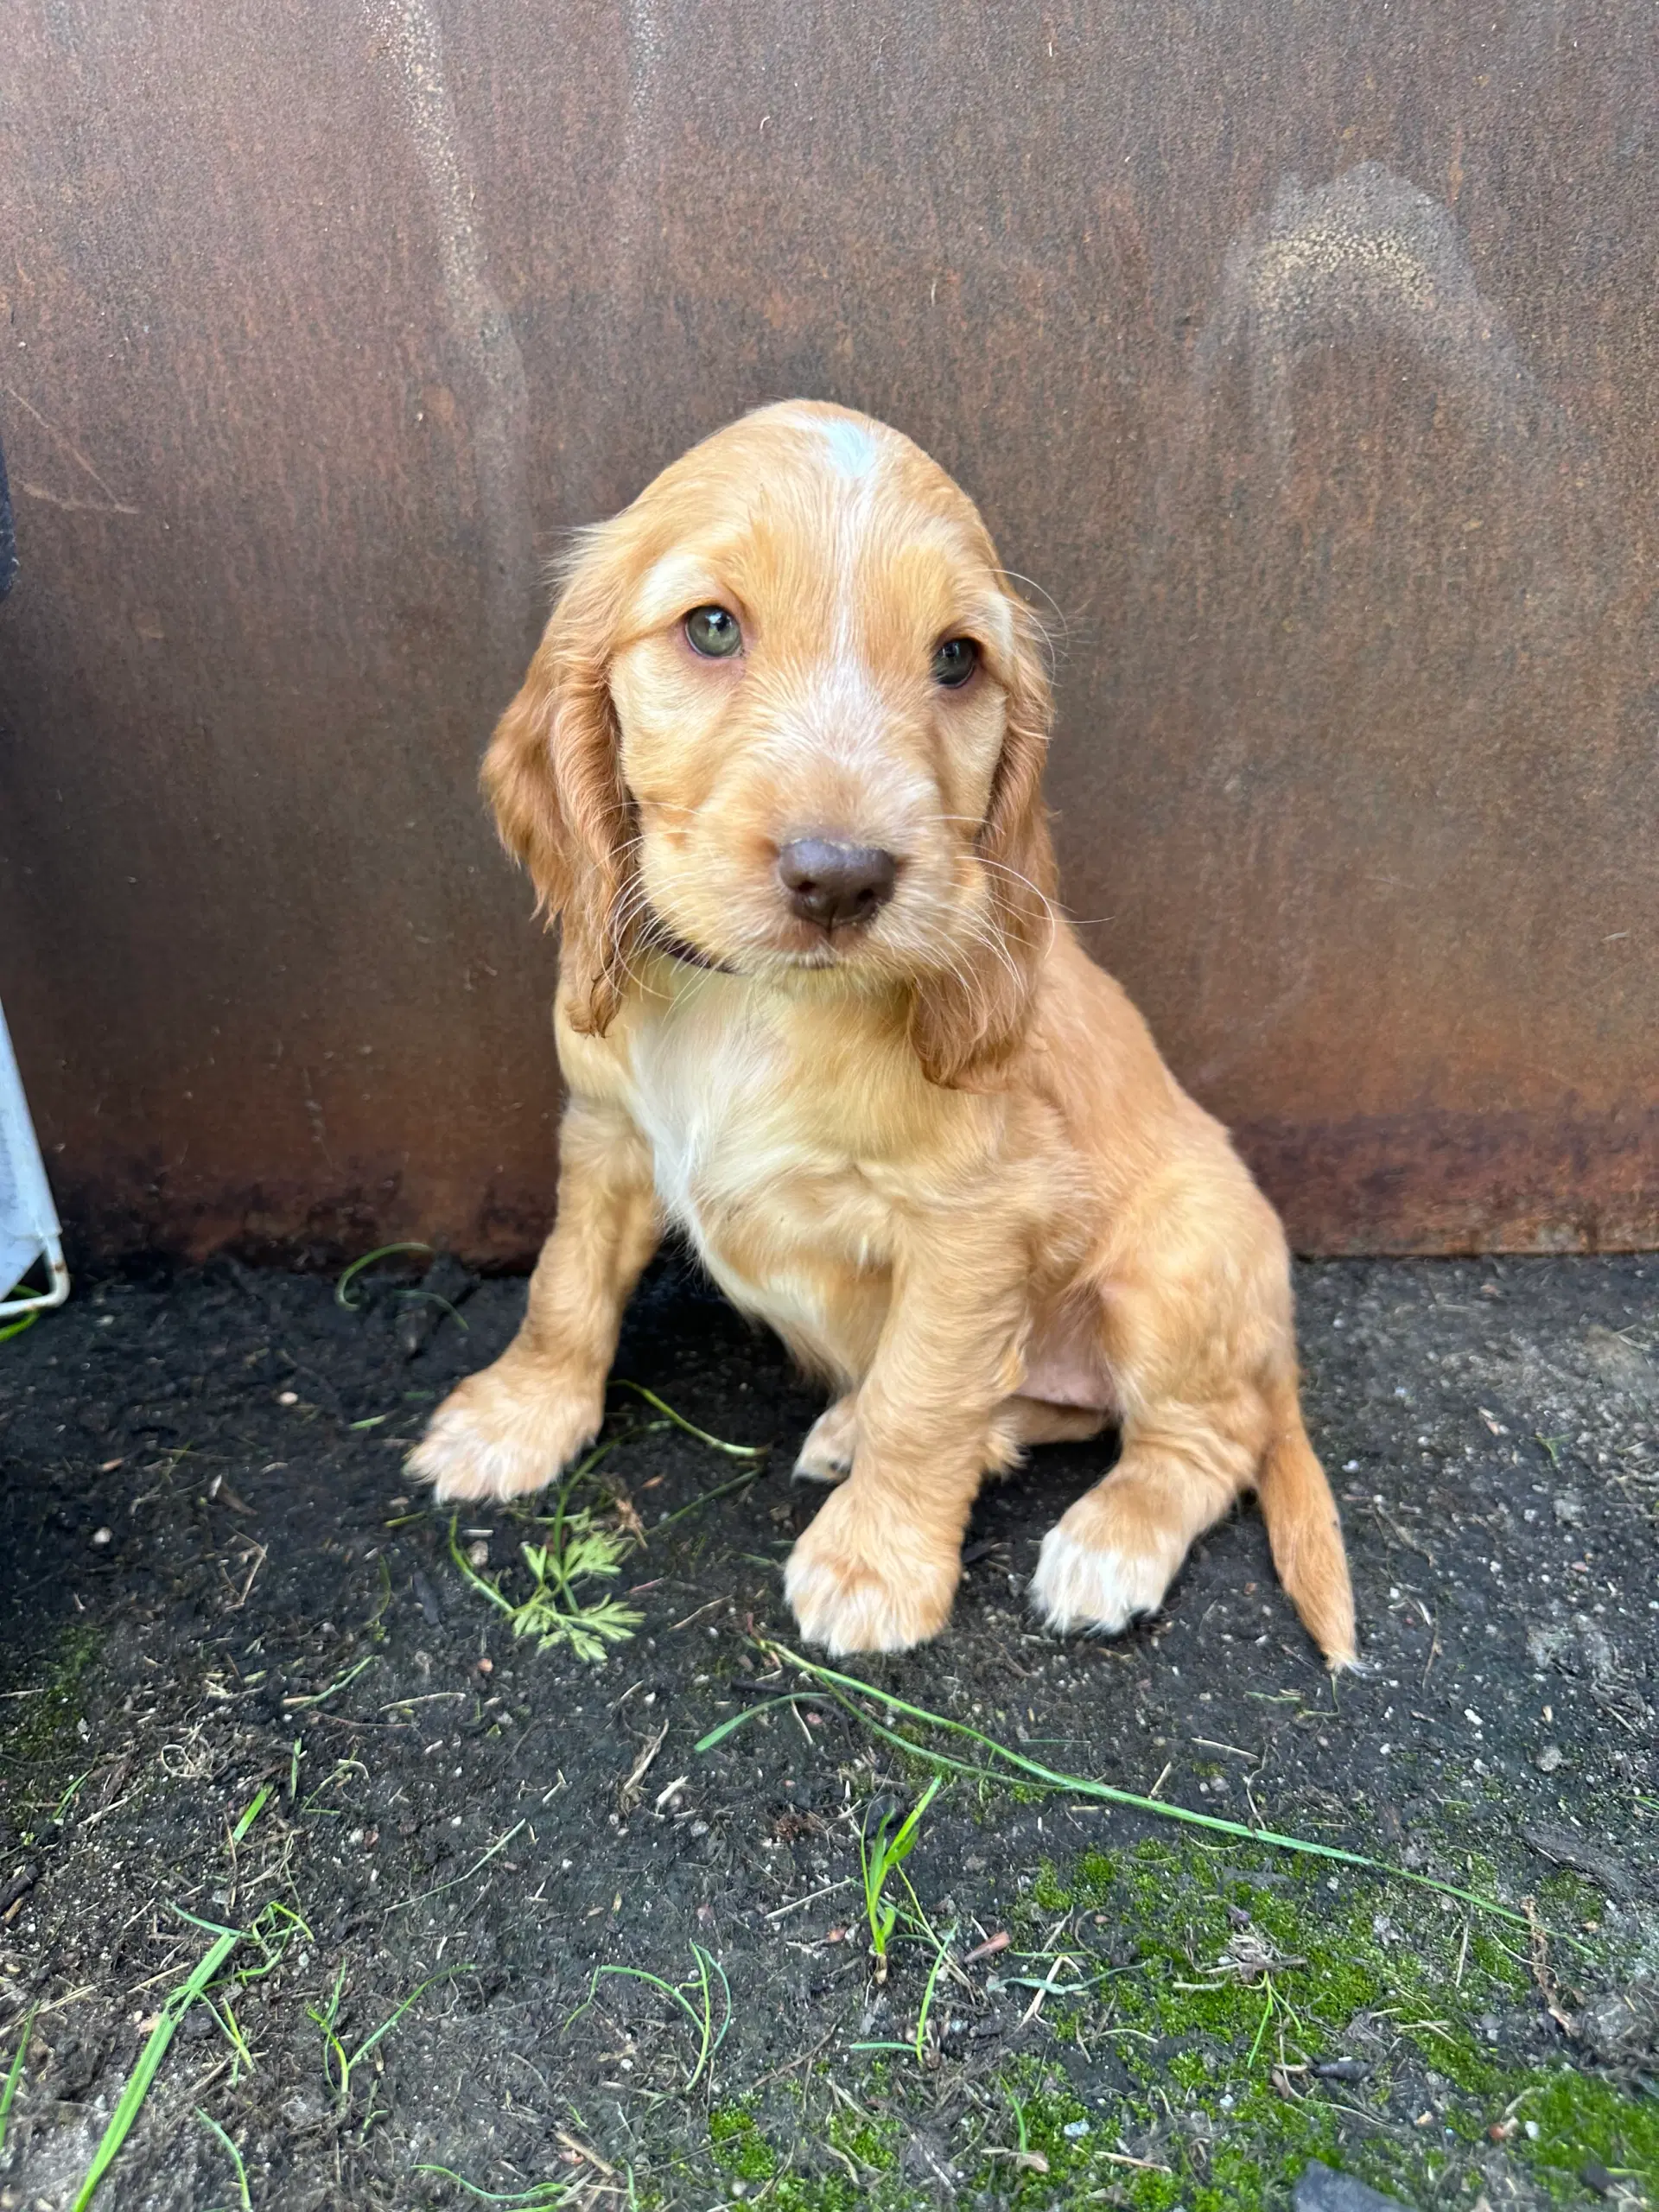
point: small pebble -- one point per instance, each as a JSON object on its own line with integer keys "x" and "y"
{"x": 101, "y": 1536}
{"x": 1550, "y": 1759}
{"x": 288, "y": 1397}
{"x": 1076, "y": 2129}
{"x": 479, "y": 1554}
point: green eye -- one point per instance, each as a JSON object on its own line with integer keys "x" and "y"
{"x": 714, "y": 633}
{"x": 955, "y": 662}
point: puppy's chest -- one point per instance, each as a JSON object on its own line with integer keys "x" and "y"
{"x": 758, "y": 1164}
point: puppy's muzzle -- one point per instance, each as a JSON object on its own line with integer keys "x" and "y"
{"x": 834, "y": 885}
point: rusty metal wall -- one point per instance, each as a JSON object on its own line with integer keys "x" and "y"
{"x": 1304, "y": 353}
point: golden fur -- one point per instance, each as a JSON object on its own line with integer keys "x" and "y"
{"x": 937, "y": 1153}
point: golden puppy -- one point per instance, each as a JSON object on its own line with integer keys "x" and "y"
{"x": 776, "y": 767}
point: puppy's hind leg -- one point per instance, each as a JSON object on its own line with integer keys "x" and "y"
{"x": 1112, "y": 1556}
{"x": 827, "y": 1454}
{"x": 1025, "y": 1421}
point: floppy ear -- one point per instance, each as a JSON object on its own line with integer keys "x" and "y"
{"x": 966, "y": 1022}
{"x": 553, "y": 776}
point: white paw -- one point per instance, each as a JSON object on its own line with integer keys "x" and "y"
{"x": 856, "y": 1583}
{"x": 827, "y": 1454}
{"x": 503, "y": 1433}
{"x": 1084, "y": 1585}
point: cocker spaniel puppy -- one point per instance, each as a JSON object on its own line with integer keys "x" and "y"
{"x": 777, "y": 768}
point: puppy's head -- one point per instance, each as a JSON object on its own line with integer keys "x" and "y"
{"x": 787, "y": 713}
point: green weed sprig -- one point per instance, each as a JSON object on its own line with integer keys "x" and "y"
{"x": 555, "y": 1613}
{"x": 700, "y": 2014}
{"x": 338, "y": 2063}
{"x": 879, "y": 1860}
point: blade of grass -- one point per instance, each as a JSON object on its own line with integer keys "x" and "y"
{"x": 16, "y": 1328}
{"x": 149, "y": 2060}
{"x": 251, "y": 1814}
{"x": 15, "y": 2072}
{"x": 741, "y": 1720}
{"x": 939, "y": 1957}
{"x": 477, "y": 1867}
{"x": 348, "y": 1275}
{"x": 540, "y": 2196}
{"x": 436, "y": 1301}
{"x": 717, "y": 1443}
{"x": 706, "y": 1497}
{"x": 386, "y": 2026}
{"x": 847, "y": 1689}
{"x": 470, "y": 1575}
{"x": 234, "y": 2155}
{"x": 339, "y": 1682}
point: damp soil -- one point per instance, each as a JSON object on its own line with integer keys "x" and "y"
{"x": 247, "y": 1683}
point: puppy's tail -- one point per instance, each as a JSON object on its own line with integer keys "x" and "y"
{"x": 1305, "y": 1532}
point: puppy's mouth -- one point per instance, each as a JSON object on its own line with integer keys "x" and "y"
{"x": 659, "y": 937}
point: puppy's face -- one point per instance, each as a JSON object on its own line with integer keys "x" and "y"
{"x": 794, "y": 717}
{"x": 810, "y": 680}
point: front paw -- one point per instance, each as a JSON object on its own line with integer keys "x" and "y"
{"x": 506, "y": 1431}
{"x": 863, "y": 1580}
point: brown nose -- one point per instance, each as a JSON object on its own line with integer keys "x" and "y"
{"x": 835, "y": 885}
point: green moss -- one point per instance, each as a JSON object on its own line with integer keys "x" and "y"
{"x": 1096, "y": 1873}
{"x": 823, "y": 2193}
{"x": 1181, "y": 2052}
{"x": 1580, "y": 2117}
{"x": 1199, "y": 2036}
{"x": 1046, "y": 1891}
{"x": 866, "y": 2146}
{"x": 740, "y": 2148}
{"x": 865, "y": 2140}
{"x": 45, "y": 1726}
{"x": 1190, "y": 2069}
{"x": 1568, "y": 1900}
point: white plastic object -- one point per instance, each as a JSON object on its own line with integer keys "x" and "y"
{"x": 28, "y": 1222}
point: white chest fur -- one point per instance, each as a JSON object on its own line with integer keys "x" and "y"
{"x": 747, "y": 1156}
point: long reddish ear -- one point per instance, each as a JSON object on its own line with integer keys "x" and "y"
{"x": 553, "y": 776}
{"x": 965, "y": 1022}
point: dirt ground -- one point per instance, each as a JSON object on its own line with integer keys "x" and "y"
{"x": 247, "y": 1677}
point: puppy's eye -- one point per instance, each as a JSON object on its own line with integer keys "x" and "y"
{"x": 714, "y": 633}
{"x": 955, "y": 662}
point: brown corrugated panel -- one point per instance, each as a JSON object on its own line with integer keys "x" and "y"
{"x": 1304, "y": 353}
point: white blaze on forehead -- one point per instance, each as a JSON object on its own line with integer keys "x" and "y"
{"x": 856, "y": 459}
{"x": 852, "y": 449}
